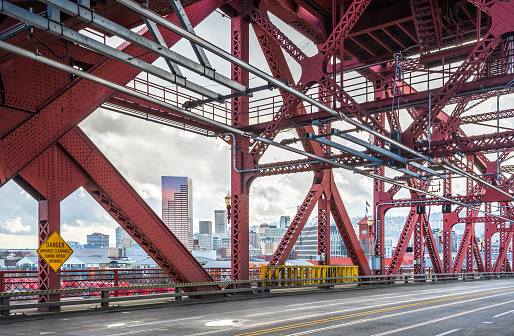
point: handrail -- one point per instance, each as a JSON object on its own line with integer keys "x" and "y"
{"x": 261, "y": 287}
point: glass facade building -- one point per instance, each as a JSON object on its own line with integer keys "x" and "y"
{"x": 220, "y": 222}
{"x": 177, "y": 207}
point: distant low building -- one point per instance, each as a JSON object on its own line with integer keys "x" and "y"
{"x": 99, "y": 239}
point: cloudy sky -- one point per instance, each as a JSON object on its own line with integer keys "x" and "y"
{"x": 143, "y": 152}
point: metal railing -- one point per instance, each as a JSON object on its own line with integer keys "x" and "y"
{"x": 273, "y": 272}
{"x": 256, "y": 287}
{"x": 23, "y": 281}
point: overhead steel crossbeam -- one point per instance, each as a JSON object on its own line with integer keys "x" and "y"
{"x": 87, "y": 15}
{"x": 281, "y": 85}
{"x": 184, "y": 21}
{"x": 59, "y": 29}
{"x": 33, "y": 56}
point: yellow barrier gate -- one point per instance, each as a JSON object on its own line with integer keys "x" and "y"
{"x": 307, "y": 272}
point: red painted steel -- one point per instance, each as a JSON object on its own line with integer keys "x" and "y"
{"x": 41, "y": 109}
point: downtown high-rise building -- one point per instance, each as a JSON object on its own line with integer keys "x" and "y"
{"x": 220, "y": 222}
{"x": 205, "y": 227}
{"x": 177, "y": 207}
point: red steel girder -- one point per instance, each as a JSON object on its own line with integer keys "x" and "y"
{"x": 427, "y": 27}
{"x": 431, "y": 246}
{"x": 477, "y": 143}
{"x": 488, "y": 116}
{"x": 344, "y": 225}
{"x": 77, "y": 100}
{"x": 467, "y": 236}
{"x": 295, "y": 228}
{"x": 240, "y": 184}
{"x": 418, "y": 244}
{"x": 324, "y": 230}
{"x": 457, "y": 79}
{"x": 273, "y": 32}
{"x": 477, "y": 255}
{"x": 123, "y": 203}
{"x": 403, "y": 241}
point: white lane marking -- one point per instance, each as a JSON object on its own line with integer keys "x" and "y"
{"x": 220, "y": 323}
{"x": 158, "y": 322}
{"x": 487, "y": 322}
{"x": 307, "y": 305}
{"x": 407, "y": 312}
{"x": 114, "y": 325}
{"x": 508, "y": 312}
{"x": 380, "y": 305}
{"x": 448, "y": 332}
{"x": 132, "y": 332}
{"x": 342, "y": 311}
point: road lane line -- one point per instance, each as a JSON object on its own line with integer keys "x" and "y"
{"x": 372, "y": 298}
{"x": 332, "y": 319}
{"x": 442, "y": 319}
{"x": 510, "y": 311}
{"x": 379, "y": 318}
{"x": 339, "y": 311}
{"x": 448, "y": 332}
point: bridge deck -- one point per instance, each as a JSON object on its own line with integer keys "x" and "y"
{"x": 454, "y": 308}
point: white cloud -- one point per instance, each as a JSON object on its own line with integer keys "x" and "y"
{"x": 15, "y": 226}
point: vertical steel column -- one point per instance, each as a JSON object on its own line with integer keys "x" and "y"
{"x": 379, "y": 195}
{"x": 49, "y": 221}
{"x": 240, "y": 187}
{"x": 324, "y": 230}
{"x": 470, "y": 213}
{"x": 489, "y": 229}
{"x": 449, "y": 220}
{"x": 418, "y": 245}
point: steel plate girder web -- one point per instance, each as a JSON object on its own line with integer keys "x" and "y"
{"x": 91, "y": 96}
{"x": 101, "y": 48}
{"x": 344, "y": 225}
{"x": 123, "y": 203}
{"x": 88, "y": 15}
{"x": 297, "y": 224}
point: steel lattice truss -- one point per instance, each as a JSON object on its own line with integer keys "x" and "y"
{"x": 436, "y": 61}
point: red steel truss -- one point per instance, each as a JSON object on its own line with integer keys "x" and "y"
{"x": 374, "y": 60}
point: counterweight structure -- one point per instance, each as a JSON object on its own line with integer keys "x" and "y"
{"x": 407, "y": 72}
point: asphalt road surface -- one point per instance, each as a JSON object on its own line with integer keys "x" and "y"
{"x": 471, "y": 308}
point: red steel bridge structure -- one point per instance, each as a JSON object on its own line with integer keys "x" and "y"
{"x": 404, "y": 72}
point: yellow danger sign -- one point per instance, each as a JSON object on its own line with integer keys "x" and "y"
{"x": 55, "y": 251}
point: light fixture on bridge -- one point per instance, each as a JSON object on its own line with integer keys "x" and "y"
{"x": 228, "y": 202}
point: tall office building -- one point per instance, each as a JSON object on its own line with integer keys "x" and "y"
{"x": 220, "y": 222}
{"x": 99, "y": 239}
{"x": 205, "y": 227}
{"x": 285, "y": 221}
{"x": 177, "y": 207}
